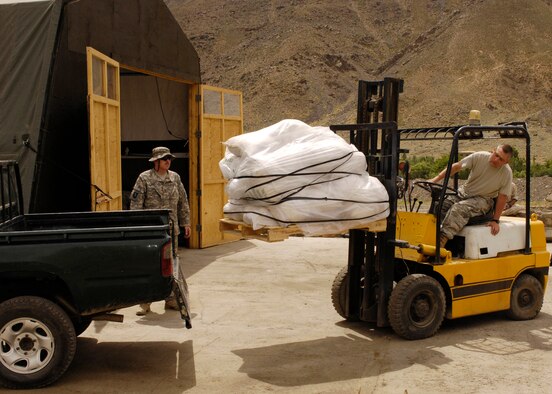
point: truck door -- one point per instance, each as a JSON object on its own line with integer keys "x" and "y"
{"x": 219, "y": 116}
{"x": 104, "y": 131}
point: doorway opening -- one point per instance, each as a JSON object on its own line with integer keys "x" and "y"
{"x": 154, "y": 112}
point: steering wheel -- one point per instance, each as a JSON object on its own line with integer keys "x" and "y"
{"x": 435, "y": 188}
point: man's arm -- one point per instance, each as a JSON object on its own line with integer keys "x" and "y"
{"x": 499, "y": 207}
{"x": 183, "y": 210}
{"x": 456, "y": 167}
{"x": 137, "y": 195}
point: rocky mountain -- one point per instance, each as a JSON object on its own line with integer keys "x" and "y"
{"x": 302, "y": 58}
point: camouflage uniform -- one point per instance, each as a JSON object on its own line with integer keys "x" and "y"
{"x": 457, "y": 210}
{"x": 152, "y": 191}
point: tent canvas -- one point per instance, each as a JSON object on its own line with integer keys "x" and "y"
{"x": 27, "y": 38}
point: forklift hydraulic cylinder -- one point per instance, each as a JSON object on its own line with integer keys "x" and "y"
{"x": 429, "y": 250}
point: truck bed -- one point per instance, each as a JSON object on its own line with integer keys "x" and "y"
{"x": 59, "y": 227}
{"x": 104, "y": 260}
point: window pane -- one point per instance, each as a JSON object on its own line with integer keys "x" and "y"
{"x": 111, "y": 82}
{"x": 97, "y": 71}
{"x": 231, "y": 104}
{"x": 212, "y": 102}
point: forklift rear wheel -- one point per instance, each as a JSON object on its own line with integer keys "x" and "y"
{"x": 526, "y": 298}
{"x": 417, "y": 307}
{"x": 340, "y": 287}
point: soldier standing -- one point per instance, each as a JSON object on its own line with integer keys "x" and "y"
{"x": 160, "y": 188}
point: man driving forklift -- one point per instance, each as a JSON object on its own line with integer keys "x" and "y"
{"x": 490, "y": 178}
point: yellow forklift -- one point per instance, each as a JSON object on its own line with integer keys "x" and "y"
{"x": 402, "y": 277}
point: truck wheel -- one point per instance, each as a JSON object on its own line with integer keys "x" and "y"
{"x": 526, "y": 298}
{"x": 37, "y": 342}
{"x": 416, "y": 307}
{"x": 340, "y": 287}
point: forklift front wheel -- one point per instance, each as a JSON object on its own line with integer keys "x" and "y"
{"x": 340, "y": 288}
{"x": 526, "y": 298}
{"x": 416, "y": 307}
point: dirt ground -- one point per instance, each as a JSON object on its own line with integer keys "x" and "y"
{"x": 541, "y": 189}
{"x": 263, "y": 322}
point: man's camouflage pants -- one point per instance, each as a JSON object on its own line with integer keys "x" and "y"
{"x": 457, "y": 210}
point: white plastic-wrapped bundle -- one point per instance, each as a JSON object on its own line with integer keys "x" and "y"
{"x": 254, "y": 180}
{"x": 279, "y": 159}
{"x": 291, "y": 173}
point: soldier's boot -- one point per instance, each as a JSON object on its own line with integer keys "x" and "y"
{"x": 170, "y": 303}
{"x": 144, "y": 310}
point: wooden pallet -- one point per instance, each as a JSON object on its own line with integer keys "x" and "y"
{"x": 275, "y": 234}
{"x": 378, "y": 226}
{"x": 269, "y": 234}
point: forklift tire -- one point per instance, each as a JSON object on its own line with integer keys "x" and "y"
{"x": 526, "y": 298}
{"x": 37, "y": 342}
{"x": 417, "y": 307}
{"x": 340, "y": 287}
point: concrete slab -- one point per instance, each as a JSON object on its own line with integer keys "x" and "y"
{"x": 264, "y": 322}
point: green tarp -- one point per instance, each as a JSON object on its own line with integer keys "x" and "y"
{"x": 27, "y": 37}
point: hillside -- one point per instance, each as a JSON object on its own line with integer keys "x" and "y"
{"x": 302, "y": 59}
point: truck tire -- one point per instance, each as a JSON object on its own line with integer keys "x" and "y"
{"x": 37, "y": 342}
{"x": 526, "y": 298}
{"x": 340, "y": 287}
{"x": 417, "y": 307}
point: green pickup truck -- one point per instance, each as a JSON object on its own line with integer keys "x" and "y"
{"x": 60, "y": 271}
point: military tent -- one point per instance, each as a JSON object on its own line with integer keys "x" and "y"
{"x": 89, "y": 87}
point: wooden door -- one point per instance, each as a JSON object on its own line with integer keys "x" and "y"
{"x": 104, "y": 131}
{"x": 219, "y": 116}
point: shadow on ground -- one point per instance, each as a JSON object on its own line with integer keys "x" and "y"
{"x": 370, "y": 351}
{"x": 194, "y": 260}
{"x": 132, "y": 367}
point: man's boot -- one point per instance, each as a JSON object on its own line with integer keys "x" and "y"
{"x": 144, "y": 310}
{"x": 170, "y": 303}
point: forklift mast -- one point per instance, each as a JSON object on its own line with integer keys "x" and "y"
{"x": 371, "y": 255}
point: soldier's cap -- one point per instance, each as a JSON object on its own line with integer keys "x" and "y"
{"x": 160, "y": 152}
